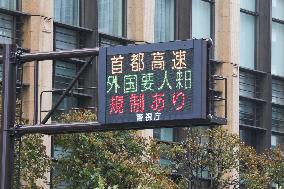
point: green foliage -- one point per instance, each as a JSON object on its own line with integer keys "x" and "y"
{"x": 211, "y": 154}
{"x": 262, "y": 170}
{"x": 224, "y": 160}
{"x": 35, "y": 162}
{"x": 275, "y": 169}
{"x": 31, "y": 162}
{"x": 120, "y": 159}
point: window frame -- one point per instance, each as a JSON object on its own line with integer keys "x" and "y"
{"x": 277, "y": 134}
{"x": 17, "y": 16}
{"x": 124, "y": 21}
{"x": 80, "y": 32}
{"x": 274, "y": 80}
{"x": 124, "y": 18}
{"x": 212, "y": 18}
{"x": 280, "y": 110}
{"x": 175, "y": 25}
{"x": 183, "y": 31}
{"x": 281, "y": 22}
{"x": 255, "y": 14}
{"x": 257, "y": 100}
{"x": 279, "y": 78}
{"x": 87, "y": 34}
{"x": 16, "y": 37}
{"x": 117, "y": 40}
{"x": 18, "y": 6}
{"x": 261, "y": 70}
{"x": 80, "y": 9}
{"x": 55, "y": 62}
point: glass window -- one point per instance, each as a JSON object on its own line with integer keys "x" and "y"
{"x": 105, "y": 42}
{"x": 248, "y": 113}
{"x": 247, "y": 41}
{"x": 8, "y": 4}
{"x": 6, "y": 28}
{"x": 66, "y": 105}
{"x": 164, "y": 20}
{"x": 277, "y": 119}
{"x": 278, "y": 92}
{"x": 67, "y": 11}
{"x": 248, "y": 5}
{"x": 165, "y": 134}
{"x": 58, "y": 152}
{"x": 248, "y": 85}
{"x": 65, "y": 39}
{"x": 201, "y": 13}
{"x": 277, "y": 140}
{"x": 64, "y": 72}
{"x": 277, "y": 9}
{"x": 277, "y": 56}
{"x": 6, "y": 32}
{"x": 248, "y": 136}
{"x": 111, "y": 17}
{"x": 164, "y": 31}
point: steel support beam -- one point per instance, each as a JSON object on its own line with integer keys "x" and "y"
{"x": 60, "y": 128}
{"x": 68, "y": 89}
{"x": 55, "y": 55}
{"x": 27, "y": 57}
{"x": 95, "y": 126}
{"x": 66, "y": 128}
{"x": 8, "y": 117}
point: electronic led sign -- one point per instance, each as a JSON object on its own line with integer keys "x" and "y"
{"x": 151, "y": 83}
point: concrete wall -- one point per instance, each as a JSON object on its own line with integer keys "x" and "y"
{"x": 140, "y": 27}
{"x": 227, "y": 37}
{"x": 140, "y": 20}
{"x": 227, "y": 22}
{"x": 38, "y": 36}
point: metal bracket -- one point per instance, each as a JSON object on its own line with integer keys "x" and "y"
{"x": 218, "y": 96}
{"x": 18, "y": 54}
{"x": 15, "y": 131}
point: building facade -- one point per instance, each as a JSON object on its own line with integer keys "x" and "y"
{"x": 248, "y": 38}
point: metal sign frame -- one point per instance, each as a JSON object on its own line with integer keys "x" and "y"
{"x": 200, "y": 78}
{"x": 14, "y": 56}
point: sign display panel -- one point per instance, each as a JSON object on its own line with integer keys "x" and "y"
{"x": 153, "y": 82}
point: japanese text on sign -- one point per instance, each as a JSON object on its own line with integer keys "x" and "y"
{"x": 149, "y": 84}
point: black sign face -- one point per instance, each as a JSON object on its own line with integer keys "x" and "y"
{"x": 153, "y": 83}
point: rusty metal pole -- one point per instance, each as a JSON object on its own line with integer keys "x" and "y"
{"x": 8, "y": 116}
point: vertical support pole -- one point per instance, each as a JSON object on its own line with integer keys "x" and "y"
{"x": 8, "y": 117}
{"x": 35, "y": 92}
